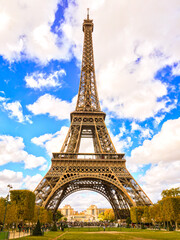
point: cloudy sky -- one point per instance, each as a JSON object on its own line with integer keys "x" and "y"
{"x": 137, "y": 62}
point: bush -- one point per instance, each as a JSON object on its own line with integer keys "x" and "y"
{"x": 128, "y": 222}
{"x": 37, "y": 231}
{"x": 170, "y": 228}
{"x": 54, "y": 227}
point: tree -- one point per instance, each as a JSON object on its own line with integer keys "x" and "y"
{"x": 11, "y": 215}
{"x": 156, "y": 213}
{"x": 101, "y": 216}
{"x": 37, "y": 231}
{"x": 128, "y": 222}
{"x": 146, "y": 215}
{"x": 171, "y": 209}
{"x": 44, "y": 215}
{"x": 136, "y": 214}
{"x": 2, "y": 209}
{"x": 109, "y": 215}
{"x": 58, "y": 216}
{"x": 173, "y": 192}
{"x": 25, "y": 203}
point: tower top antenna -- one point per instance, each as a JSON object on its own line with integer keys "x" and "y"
{"x": 87, "y": 13}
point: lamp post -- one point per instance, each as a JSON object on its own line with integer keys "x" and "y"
{"x": 9, "y": 186}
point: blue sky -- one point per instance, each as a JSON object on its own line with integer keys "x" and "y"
{"x": 137, "y": 63}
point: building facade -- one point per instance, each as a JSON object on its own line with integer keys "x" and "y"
{"x": 88, "y": 215}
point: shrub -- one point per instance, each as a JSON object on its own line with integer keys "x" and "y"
{"x": 37, "y": 231}
{"x": 54, "y": 227}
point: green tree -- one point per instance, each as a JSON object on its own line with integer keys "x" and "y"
{"x": 11, "y": 215}
{"x": 25, "y": 203}
{"x": 173, "y": 192}
{"x": 58, "y": 216}
{"x": 109, "y": 215}
{"x": 128, "y": 222}
{"x": 136, "y": 214}
{"x": 37, "y": 231}
{"x": 146, "y": 218}
{"x": 171, "y": 209}
{"x": 101, "y": 216}
{"x": 2, "y": 209}
{"x": 44, "y": 215}
{"x": 156, "y": 213}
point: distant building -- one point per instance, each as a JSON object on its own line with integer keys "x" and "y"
{"x": 88, "y": 215}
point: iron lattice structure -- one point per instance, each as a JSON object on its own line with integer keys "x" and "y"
{"x": 103, "y": 171}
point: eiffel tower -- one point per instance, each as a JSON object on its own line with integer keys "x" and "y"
{"x": 103, "y": 171}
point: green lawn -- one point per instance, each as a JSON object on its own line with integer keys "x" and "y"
{"x": 47, "y": 236}
{"x": 114, "y": 234}
{"x": 121, "y": 236}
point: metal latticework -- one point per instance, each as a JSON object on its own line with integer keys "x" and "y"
{"x": 103, "y": 171}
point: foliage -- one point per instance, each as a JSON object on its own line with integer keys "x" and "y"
{"x": 58, "y": 216}
{"x": 37, "y": 231}
{"x": 128, "y": 222}
{"x": 25, "y": 203}
{"x": 54, "y": 227}
{"x": 173, "y": 192}
{"x": 2, "y": 209}
{"x": 44, "y": 215}
{"x": 136, "y": 214}
{"x": 107, "y": 215}
{"x": 101, "y": 216}
{"x": 146, "y": 218}
{"x": 11, "y": 215}
{"x": 11, "y": 212}
{"x": 171, "y": 209}
{"x": 156, "y": 213}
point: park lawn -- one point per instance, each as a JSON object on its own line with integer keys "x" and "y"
{"x": 93, "y": 236}
{"x": 121, "y": 235}
{"x": 47, "y": 236}
{"x": 136, "y": 234}
{"x": 97, "y": 229}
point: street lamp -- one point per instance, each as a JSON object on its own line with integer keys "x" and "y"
{"x": 9, "y": 186}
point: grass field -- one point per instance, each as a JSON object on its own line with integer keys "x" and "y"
{"x": 114, "y": 234}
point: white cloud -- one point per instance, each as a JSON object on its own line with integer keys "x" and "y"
{"x": 12, "y": 150}
{"x": 55, "y": 107}
{"x": 31, "y": 182}
{"x": 14, "y": 110}
{"x": 176, "y": 70}
{"x": 10, "y": 177}
{"x": 158, "y": 119}
{"x": 17, "y": 181}
{"x": 2, "y": 99}
{"x": 122, "y": 130}
{"x": 163, "y": 153}
{"x": 51, "y": 142}
{"x": 120, "y": 144}
{"x": 41, "y": 80}
{"x": 163, "y": 147}
{"x": 160, "y": 177}
{"x": 144, "y": 132}
{"x": 83, "y": 199}
{"x": 129, "y": 48}
{"x": 25, "y": 29}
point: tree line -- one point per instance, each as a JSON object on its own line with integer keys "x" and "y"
{"x": 21, "y": 209}
{"x": 165, "y": 213}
